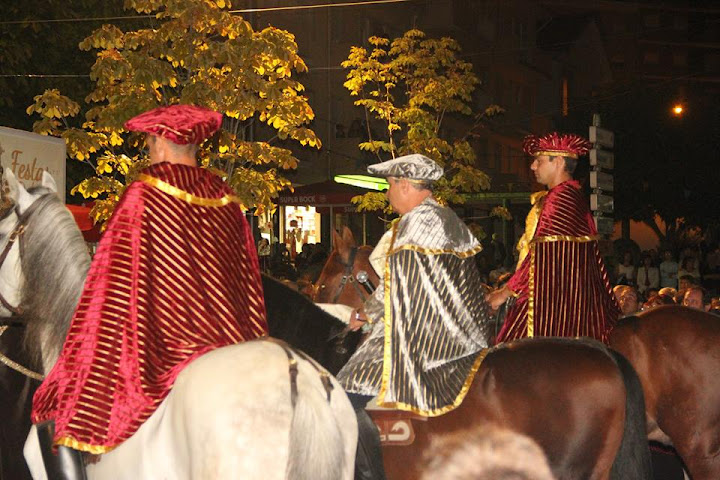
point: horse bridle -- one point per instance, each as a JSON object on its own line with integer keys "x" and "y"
{"x": 16, "y": 235}
{"x": 16, "y": 319}
{"x": 348, "y": 276}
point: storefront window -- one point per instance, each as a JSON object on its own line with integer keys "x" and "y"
{"x": 302, "y": 226}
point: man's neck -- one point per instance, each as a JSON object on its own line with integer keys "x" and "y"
{"x": 557, "y": 181}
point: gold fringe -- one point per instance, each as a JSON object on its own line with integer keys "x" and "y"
{"x": 82, "y": 446}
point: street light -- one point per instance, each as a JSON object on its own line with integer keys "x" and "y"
{"x": 678, "y": 109}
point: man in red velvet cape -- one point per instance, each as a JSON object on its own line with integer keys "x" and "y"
{"x": 175, "y": 275}
{"x": 561, "y": 284}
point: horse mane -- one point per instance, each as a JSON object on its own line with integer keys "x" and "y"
{"x": 294, "y": 318}
{"x": 55, "y": 261}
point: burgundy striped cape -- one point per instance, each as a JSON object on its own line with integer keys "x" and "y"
{"x": 175, "y": 275}
{"x": 562, "y": 286}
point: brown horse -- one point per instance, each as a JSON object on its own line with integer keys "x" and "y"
{"x": 676, "y": 353}
{"x": 337, "y": 282}
{"x": 578, "y": 400}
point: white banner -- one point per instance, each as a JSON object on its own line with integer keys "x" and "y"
{"x": 27, "y": 154}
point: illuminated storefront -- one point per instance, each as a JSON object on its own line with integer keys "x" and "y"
{"x": 311, "y": 212}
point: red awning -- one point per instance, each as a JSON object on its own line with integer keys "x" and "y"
{"x": 320, "y": 194}
{"x": 90, "y": 231}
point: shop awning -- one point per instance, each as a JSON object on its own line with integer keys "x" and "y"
{"x": 324, "y": 193}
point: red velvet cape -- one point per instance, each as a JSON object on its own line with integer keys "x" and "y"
{"x": 175, "y": 275}
{"x": 562, "y": 286}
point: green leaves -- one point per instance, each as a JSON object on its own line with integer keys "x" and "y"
{"x": 196, "y": 53}
{"x": 409, "y": 86}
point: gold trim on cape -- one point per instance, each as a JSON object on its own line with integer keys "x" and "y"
{"x": 185, "y": 196}
{"x": 531, "y": 294}
{"x": 438, "y": 411}
{"x": 435, "y": 251}
{"x": 387, "y": 353}
{"x": 531, "y": 271}
{"x": 82, "y": 446}
{"x": 531, "y": 223}
{"x": 387, "y": 318}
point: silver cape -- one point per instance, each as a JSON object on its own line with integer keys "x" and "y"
{"x": 430, "y": 317}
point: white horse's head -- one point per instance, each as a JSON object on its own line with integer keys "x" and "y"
{"x": 17, "y": 202}
{"x": 45, "y": 264}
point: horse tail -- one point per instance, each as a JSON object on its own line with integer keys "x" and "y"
{"x": 633, "y": 457}
{"x": 317, "y": 446}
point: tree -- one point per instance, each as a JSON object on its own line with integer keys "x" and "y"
{"x": 197, "y": 53}
{"x": 412, "y": 86}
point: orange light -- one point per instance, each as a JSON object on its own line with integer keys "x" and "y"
{"x": 678, "y": 109}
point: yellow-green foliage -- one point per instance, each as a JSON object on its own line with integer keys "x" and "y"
{"x": 200, "y": 54}
{"x": 410, "y": 84}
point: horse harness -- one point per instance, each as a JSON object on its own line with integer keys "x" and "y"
{"x": 16, "y": 319}
{"x": 293, "y": 370}
{"x": 348, "y": 276}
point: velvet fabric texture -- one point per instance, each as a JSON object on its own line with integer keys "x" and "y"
{"x": 181, "y": 124}
{"x": 561, "y": 283}
{"x": 175, "y": 275}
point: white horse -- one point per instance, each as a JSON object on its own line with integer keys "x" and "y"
{"x": 232, "y": 413}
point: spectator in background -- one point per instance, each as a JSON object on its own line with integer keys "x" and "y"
{"x": 627, "y": 298}
{"x": 694, "y": 298}
{"x": 657, "y": 300}
{"x": 625, "y": 272}
{"x": 668, "y": 271}
{"x": 263, "y": 250}
{"x": 648, "y": 277}
{"x": 689, "y": 267}
{"x": 685, "y": 282}
{"x": 485, "y": 453}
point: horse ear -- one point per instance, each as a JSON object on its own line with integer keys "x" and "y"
{"x": 48, "y": 181}
{"x": 337, "y": 240}
{"x": 348, "y": 238}
{"x": 13, "y": 185}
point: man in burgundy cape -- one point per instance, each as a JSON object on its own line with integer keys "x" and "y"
{"x": 561, "y": 284}
{"x": 175, "y": 275}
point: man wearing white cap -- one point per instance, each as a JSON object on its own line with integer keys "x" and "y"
{"x": 428, "y": 316}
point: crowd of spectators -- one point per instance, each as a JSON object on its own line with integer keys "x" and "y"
{"x": 299, "y": 273}
{"x": 691, "y": 279}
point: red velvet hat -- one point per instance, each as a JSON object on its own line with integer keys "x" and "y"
{"x": 181, "y": 124}
{"x": 555, "y": 144}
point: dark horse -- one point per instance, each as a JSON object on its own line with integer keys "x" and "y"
{"x": 581, "y": 402}
{"x": 676, "y": 353}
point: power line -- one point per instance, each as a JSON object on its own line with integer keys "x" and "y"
{"x": 244, "y": 10}
{"x": 37, "y": 75}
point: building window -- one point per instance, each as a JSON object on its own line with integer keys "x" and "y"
{"x": 651, "y": 58}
